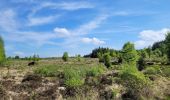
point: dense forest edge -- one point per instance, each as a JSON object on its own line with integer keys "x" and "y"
{"x": 104, "y": 74}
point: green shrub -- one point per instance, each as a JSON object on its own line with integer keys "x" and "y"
{"x": 152, "y": 70}
{"x": 47, "y": 71}
{"x": 74, "y": 82}
{"x": 100, "y": 56}
{"x": 78, "y": 57}
{"x": 129, "y": 53}
{"x": 65, "y": 56}
{"x": 166, "y": 71}
{"x": 107, "y": 59}
{"x": 95, "y": 71}
{"x": 134, "y": 80}
{"x": 2, "y": 51}
{"x": 73, "y": 77}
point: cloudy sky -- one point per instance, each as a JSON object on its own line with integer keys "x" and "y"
{"x": 50, "y": 27}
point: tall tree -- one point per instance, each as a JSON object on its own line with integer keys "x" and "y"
{"x": 2, "y": 50}
{"x": 65, "y": 56}
{"x": 167, "y": 41}
{"x": 129, "y": 54}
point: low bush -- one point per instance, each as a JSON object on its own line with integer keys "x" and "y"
{"x": 107, "y": 60}
{"x": 166, "y": 71}
{"x": 73, "y": 77}
{"x": 95, "y": 71}
{"x": 47, "y": 71}
{"x": 65, "y": 56}
{"x": 134, "y": 80}
{"x": 74, "y": 82}
{"x": 152, "y": 70}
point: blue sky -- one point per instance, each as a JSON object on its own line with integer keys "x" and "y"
{"x": 51, "y": 27}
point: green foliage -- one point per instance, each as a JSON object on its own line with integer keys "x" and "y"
{"x": 78, "y": 57}
{"x": 161, "y": 46}
{"x": 2, "y": 51}
{"x": 74, "y": 82}
{"x": 141, "y": 61}
{"x": 17, "y": 57}
{"x": 166, "y": 71}
{"x": 65, "y": 56}
{"x": 35, "y": 57}
{"x": 153, "y": 70}
{"x": 113, "y": 53}
{"x": 73, "y": 77}
{"x": 46, "y": 71}
{"x": 149, "y": 51}
{"x": 129, "y": 54}
{"x": 95, "y": 71}
{"x": 134, "y": 80}
{"x": 100, "y": 56}
{"x": 167, "y": 40}
{"x": 157, "y": 53}
{"x": 107, "y": 59}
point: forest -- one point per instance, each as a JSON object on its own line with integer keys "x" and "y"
{"x": 103, "y": 74}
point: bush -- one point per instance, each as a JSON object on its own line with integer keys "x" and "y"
{"x": 95, "y": 71}
{"x": 2, "y": 51}
{"x": 65, "y": 56}
{"x": 100, "y": 56}
{"x": 73, "y": 78}
{"x": 134, "y": 80}
{"x": 129, "y": 53}
{"x": 47, "y": 71}
{"x": 107, "y": 59}
{"x": 74, "y": 82}
{"x": 152, "y": 70}
{"x": 166, "y": 71}
{"x": 78, "y": 57}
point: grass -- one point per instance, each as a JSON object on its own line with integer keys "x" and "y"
{"x": 152, "y": 70}
{"x": 95, "y": 71}
{"x": 47, "y": 71}
{"x": 134, "y": 80}
{"x": 74, "y": 74}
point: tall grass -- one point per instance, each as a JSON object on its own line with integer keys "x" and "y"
{"x": 74, "y": 75}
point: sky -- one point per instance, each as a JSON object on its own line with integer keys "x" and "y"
{"x": 50, "y": 27}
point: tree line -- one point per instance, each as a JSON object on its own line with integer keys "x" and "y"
{"x": 158, "y": 53}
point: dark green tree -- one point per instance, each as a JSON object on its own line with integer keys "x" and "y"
{"x": 78, "y": 57}
{"x": 2, "y": 51}
{"x": 167, "y": 41}
{"x": 16, "y": 57}
{"x": 65, "y": 56}
{"x": 142, "y": 58}
{"x": 149, "y": 51}
{"x": 107, "y": 59}
{"x": 100, "y": 56}
{"x": 129, "y": 54}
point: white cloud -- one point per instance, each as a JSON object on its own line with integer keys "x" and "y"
{"x": 82, "y": 29}
{"x": 68, "y": 35}
{"x": 7, "y": 20}
{"x": 93, "y": 41}
{"x": 62, "y": 32}
{"x": 148, "y": 37}
{"x": 87, "y": 27}
{"x": 33, "y": 21}
{"x": 69, "y": 6}
{"x": 75, "y": 5}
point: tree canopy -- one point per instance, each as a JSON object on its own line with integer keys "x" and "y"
{"x": 2, "y": 50}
